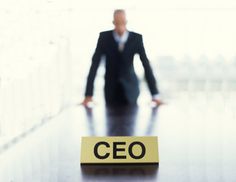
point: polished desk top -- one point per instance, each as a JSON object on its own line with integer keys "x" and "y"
{"x": 196, "y": 143}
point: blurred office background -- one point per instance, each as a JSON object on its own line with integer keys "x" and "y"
{"x": 46, "y": 48}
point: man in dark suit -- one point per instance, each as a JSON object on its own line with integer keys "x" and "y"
{"x": 119, "y": 47}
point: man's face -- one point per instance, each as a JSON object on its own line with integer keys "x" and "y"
{"x": 120, "y": 23}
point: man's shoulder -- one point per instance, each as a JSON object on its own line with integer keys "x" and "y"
{"x": 135, "y": 34}
{"x": 104, "y": 33}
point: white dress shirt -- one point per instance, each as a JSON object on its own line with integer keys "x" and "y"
{"x": 121, "y": 40}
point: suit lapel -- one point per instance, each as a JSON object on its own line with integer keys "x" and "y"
{"x": 127, "y": 43}
{"x": 114, "y": 44}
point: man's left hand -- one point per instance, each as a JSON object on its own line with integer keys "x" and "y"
{"x": 157, "y": 102}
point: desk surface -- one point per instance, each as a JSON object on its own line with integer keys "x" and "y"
{"x": 196, "y": 142}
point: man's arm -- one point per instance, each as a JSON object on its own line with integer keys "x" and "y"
{"x": 147, "y": 68}
{"x": 149, "y": 74}
{"x": 92, "y": 71}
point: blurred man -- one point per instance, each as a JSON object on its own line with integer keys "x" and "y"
{"x": 119, "y": 47}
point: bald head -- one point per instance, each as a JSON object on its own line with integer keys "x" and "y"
{"x": 119, "y": 21}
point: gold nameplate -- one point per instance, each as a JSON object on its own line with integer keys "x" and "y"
{"x": 110, "y": 150}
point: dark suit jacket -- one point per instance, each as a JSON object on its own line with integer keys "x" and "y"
{"x": 119, "y": 67}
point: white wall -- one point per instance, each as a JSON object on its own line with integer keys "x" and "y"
{"x": 46, "y": 48}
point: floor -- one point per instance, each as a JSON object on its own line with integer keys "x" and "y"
{"x": 196, "y": 132}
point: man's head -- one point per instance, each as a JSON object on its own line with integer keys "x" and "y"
{"x": 119, "y": 21}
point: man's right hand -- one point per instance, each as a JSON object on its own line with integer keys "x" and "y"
{"x": 86, "y": 101}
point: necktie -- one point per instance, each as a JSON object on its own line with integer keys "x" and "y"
{"x": 121, "y": 46}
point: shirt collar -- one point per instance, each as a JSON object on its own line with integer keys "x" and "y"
{"x": 121, "y": 39}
